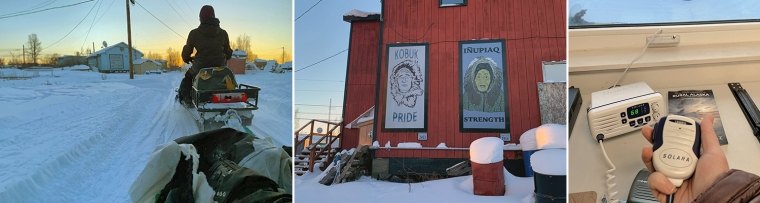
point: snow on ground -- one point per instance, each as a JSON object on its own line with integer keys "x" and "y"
{"x": 274, "y": 116}
{"x": 366, "y": 189}
{"x": 71, "y": 136}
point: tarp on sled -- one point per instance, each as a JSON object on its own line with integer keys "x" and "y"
{"x": 200, "y": 160}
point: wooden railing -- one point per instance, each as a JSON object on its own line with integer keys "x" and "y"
{"x": 327, "y": 139}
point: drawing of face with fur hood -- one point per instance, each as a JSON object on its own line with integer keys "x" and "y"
{"x": 405, "y": 83}
{"x": 483, "y": 89}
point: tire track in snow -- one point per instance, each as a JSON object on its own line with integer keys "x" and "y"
{"x": 101, "y": 168}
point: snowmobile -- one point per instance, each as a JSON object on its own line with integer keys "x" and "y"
{"x": 218, "y": 99}
{"x": 225, "y": 162}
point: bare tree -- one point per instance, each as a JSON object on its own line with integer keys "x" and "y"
{"x": 34, "y": 47}
{"x": 173, "y": 58}
{"x": 2, "y": 62}
{"x": 154, "y": 56}
{"x": 52, "y": 59}
{"x": 243, "y": 42}
{"x": 15, "y": 59}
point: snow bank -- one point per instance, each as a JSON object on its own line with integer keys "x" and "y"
{"x": 366, "y": 189}
{"x": 528, "y": 140}
{"x": 409, "y": 145}
{"x": 487, "y": 150}
{"x": 550, "y": 136}
{"x": 274, "y": 116}
{"x": 549, "y": 162}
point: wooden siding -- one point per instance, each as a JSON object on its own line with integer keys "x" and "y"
{"x": 361, "y": 76}
{"x": 534, "y": 31}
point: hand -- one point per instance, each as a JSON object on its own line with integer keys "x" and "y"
{"x": 711, "y": 165}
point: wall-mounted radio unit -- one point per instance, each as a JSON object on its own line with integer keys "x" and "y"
{"x": 623, "y": 109}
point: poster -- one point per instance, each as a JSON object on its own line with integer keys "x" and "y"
{"x": 405, "y": 93}
{"x": 695, "y": 104}
{"x": 483, "y": 90}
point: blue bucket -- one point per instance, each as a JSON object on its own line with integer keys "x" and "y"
{"x": 526, "y": 161}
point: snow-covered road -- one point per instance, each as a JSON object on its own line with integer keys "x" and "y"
{"x": 70, "y": 136}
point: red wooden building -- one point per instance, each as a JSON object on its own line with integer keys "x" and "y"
{"x": 532, "y": 31}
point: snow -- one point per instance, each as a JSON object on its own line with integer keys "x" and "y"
{"x": 274, "y": 116}
{"x": 551, "y": 136}
{"x": 441, "y": 146}
{"x": 487, "y": 150}
{"x": 528, "y": 140}
{"x": 359, "y": 13}
{"x": 375, "y": 144}
{"x": 366, "y": 189}
{"x": 388, "y": 144}
{"x": 409, "y": 145}
{"x": 549, "y": 162}
{"x": 512, "y": 146}
{"x": 72, "y": 136}
{"x": 239, "y": 54}
{"x": 143, "y": 60}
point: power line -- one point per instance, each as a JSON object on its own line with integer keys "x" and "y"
{"x": 320, "y": 61}
{"x": 159, "y": 20}
{"x": 37, "y": 11}
{"x": 319, "y": 91}
{"x": 179, "y": 15}
{"x": 307, "y": 10}
{"x": 316, "y": 105}
{"x": 315, "y": 113}
{"x": 94, "y": 18}
{"x": 38, "y": 6}
{"x": 320, "y": 80}
{"x": 72, "y": 29}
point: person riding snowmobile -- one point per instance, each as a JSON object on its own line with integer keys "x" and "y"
{"x": 212, "y": 49}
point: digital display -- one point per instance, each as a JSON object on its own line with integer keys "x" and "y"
{"x": 638, "y": 110}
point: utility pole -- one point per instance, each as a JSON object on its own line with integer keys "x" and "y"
{"x": 329, "y": 111}
{"x": 129, "y": 41}
{"x": 23, "y": 54}
{"x": 283, "y": 55}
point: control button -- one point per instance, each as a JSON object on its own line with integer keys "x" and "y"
{"x": 655, "y": 116}
{"x": 622, "y": 115}
{"x": 647, "y": 119}
{"x": 640, "y": 121}
{"x": 625, "y": 121}
{"x": 655, "y": 106}
{"x": 632, "y": 123}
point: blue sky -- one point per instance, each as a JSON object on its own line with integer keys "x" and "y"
{"x": 321, "y": 33}
{"x": 267, "y": 22}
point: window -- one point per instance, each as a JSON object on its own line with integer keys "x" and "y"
{"x": 598, "y": 13}
{"x": 448, "y": 3}
{"x": 554, "y": 71}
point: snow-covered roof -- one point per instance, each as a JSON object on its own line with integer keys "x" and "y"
{"x": 355, "y": 14}
{"x": 364, "y": 117}
{"x": 359, "y": 13}
{"x": 239, "y": 54}
{"x": 112, "y": 46}
{"x": 143, "y": 60}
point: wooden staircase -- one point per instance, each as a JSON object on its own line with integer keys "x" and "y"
{"x": 316, "y": 149}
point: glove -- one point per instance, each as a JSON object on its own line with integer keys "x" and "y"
{"x": 188, "y": 60}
